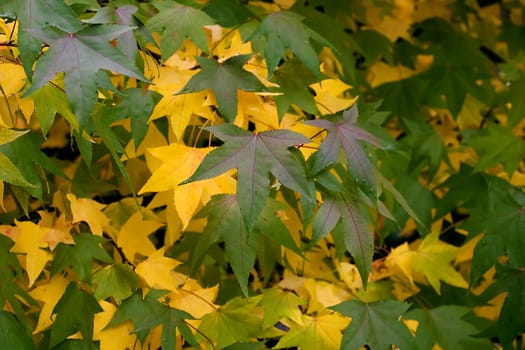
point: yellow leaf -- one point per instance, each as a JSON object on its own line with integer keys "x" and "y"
{"x": 470, "y": 116}
{"x": 57, "y": 229}
{"x": 30, "y": 242}
{"x": 133, "y": 236}
{"x": 194, "y": 299}
{"x": 433, "y": 259}
{"x": 324, "y": 294}
{"x": 328, "y": 96}
{"x": 316, "y": 332}
{"x": 157, "y": 271}
{"x": 117, "y": 337}
{"x": 178, "y": 163}
{"x": 49, "y": 293}
{"x": 90, "y": 211}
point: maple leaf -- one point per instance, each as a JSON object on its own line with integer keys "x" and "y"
{"x": 190, "y": 23}
{"x": 29, "y": 145}
{"x": 255, "y": 156}
{"x": 353, "y": 226}
{"x": 34, "y": 14}
{"x": 92, "y": 51}
{"x": 315, "y": 332}
{"x": 68, "y": 322}
{"x": 116, "y": 280}
{"x": 157, "y": 271}
{"x": 235, "y": 321}
{"x": 30, "y": 242}
{"x": 80, "y": 255}
{"x": 293, "y": 79}
{"x": 444, "y": 326}
{"x": 90, "y": 211}
{"x": 432, "y": 258}
{"x": 228, "y": 13}
{"x": 178, "y": 163}
{"x": 137, "y": 104}
{"x": 13, "y": 335}
{"x": 278, "y": 304}
{"x": 117, "y": 337}
{"x": 147, "y": 313}
{"x": 285, "y": 30}
{"x": 119, "y": 15}
{"x": 377, "y": 325}
{"x": 344, "y": 134}
{"x": 224, "y": 79}
{"x": 49, "y": 293}
{"x": 133, "y": 236}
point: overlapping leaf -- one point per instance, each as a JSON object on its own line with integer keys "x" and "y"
{"x": 224, "y": 79}
{"x": 91, "y": 51}
{"x": 255, "y": 156}
{"x": 344, "y": 135}
{"x": 377, "y": 325}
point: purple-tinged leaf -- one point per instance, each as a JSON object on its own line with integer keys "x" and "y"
{"x": 255, "y": 156}
{"x": 344, "y": 134}
{"x": 80, "y": 56}
{"x": 327, "y": 217}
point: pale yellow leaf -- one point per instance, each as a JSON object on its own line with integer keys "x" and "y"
{"x": 90, "y": 211}
{"x": 30, "y": 242}
{"x": 57, "y": 229}
{"x": 133, "y": 236}
{"x": 117, "y": 337}
{"x": 194, "y": 299}
{"x": 329, "y": 96}
{"x": 157, "y": 271}
{"x": 49, "y": 293}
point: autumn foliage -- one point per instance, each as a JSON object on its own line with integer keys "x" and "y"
{"x": 262, "y": 174}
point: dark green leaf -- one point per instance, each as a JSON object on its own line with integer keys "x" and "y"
{"x": 13, "y": 335}
{"x": 75, "y": 344}
{"x": 377, "y": 325}
{"x": 74, "y": 312}
{"x": 80, "y": 256}
{"x": 189, "y": 23}
{"x": 138, "y": 105}
{"x": 293, "y": 79}
{"x": 224, "y": 79}
{"x": 228, "y": 13}
{"x": 445, "y": 327}
{"x": 285, "y": 30}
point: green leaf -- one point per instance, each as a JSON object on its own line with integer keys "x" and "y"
{"x": 496, "y": 144}
{"x": 28, "y": 145}
{"x": 428, "y": 149}
{"x": 171, "y": 319}
{"x": 293, "y": 79}
{"x": 503, "y": 230}
{"x": 92, "y": 50}
{"x": 80, "y": 255}
{"x": 117, "y": 280}
{"x": 236, "y": 321}
{"x": 13, "y": 335}
{"x": 136, "y": 309}
{"x": 49, "y": 100}
{"x": 119, "y": 15}
{"x": 10, "y": 173}
{"x": 189, "y": 24}
{"x": 278, "y": 304}
{"x": 353, "y": 227}
{"x": 225, "y": 223}
{"x": 285, "y": 30}
{"x": 443, "y": 326}
{"x": 35, "y": 14}
{"x": 344, "y": 135}
{"x": 377, "y": 325}
{"x": 74, "y": 312}
{"x": 75, "y": 344}
{"x": 255, "y": 156}
{"x": 228, "y": 13}
{"x": 138, "y": 105}
{"x": 224, "y": 79}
